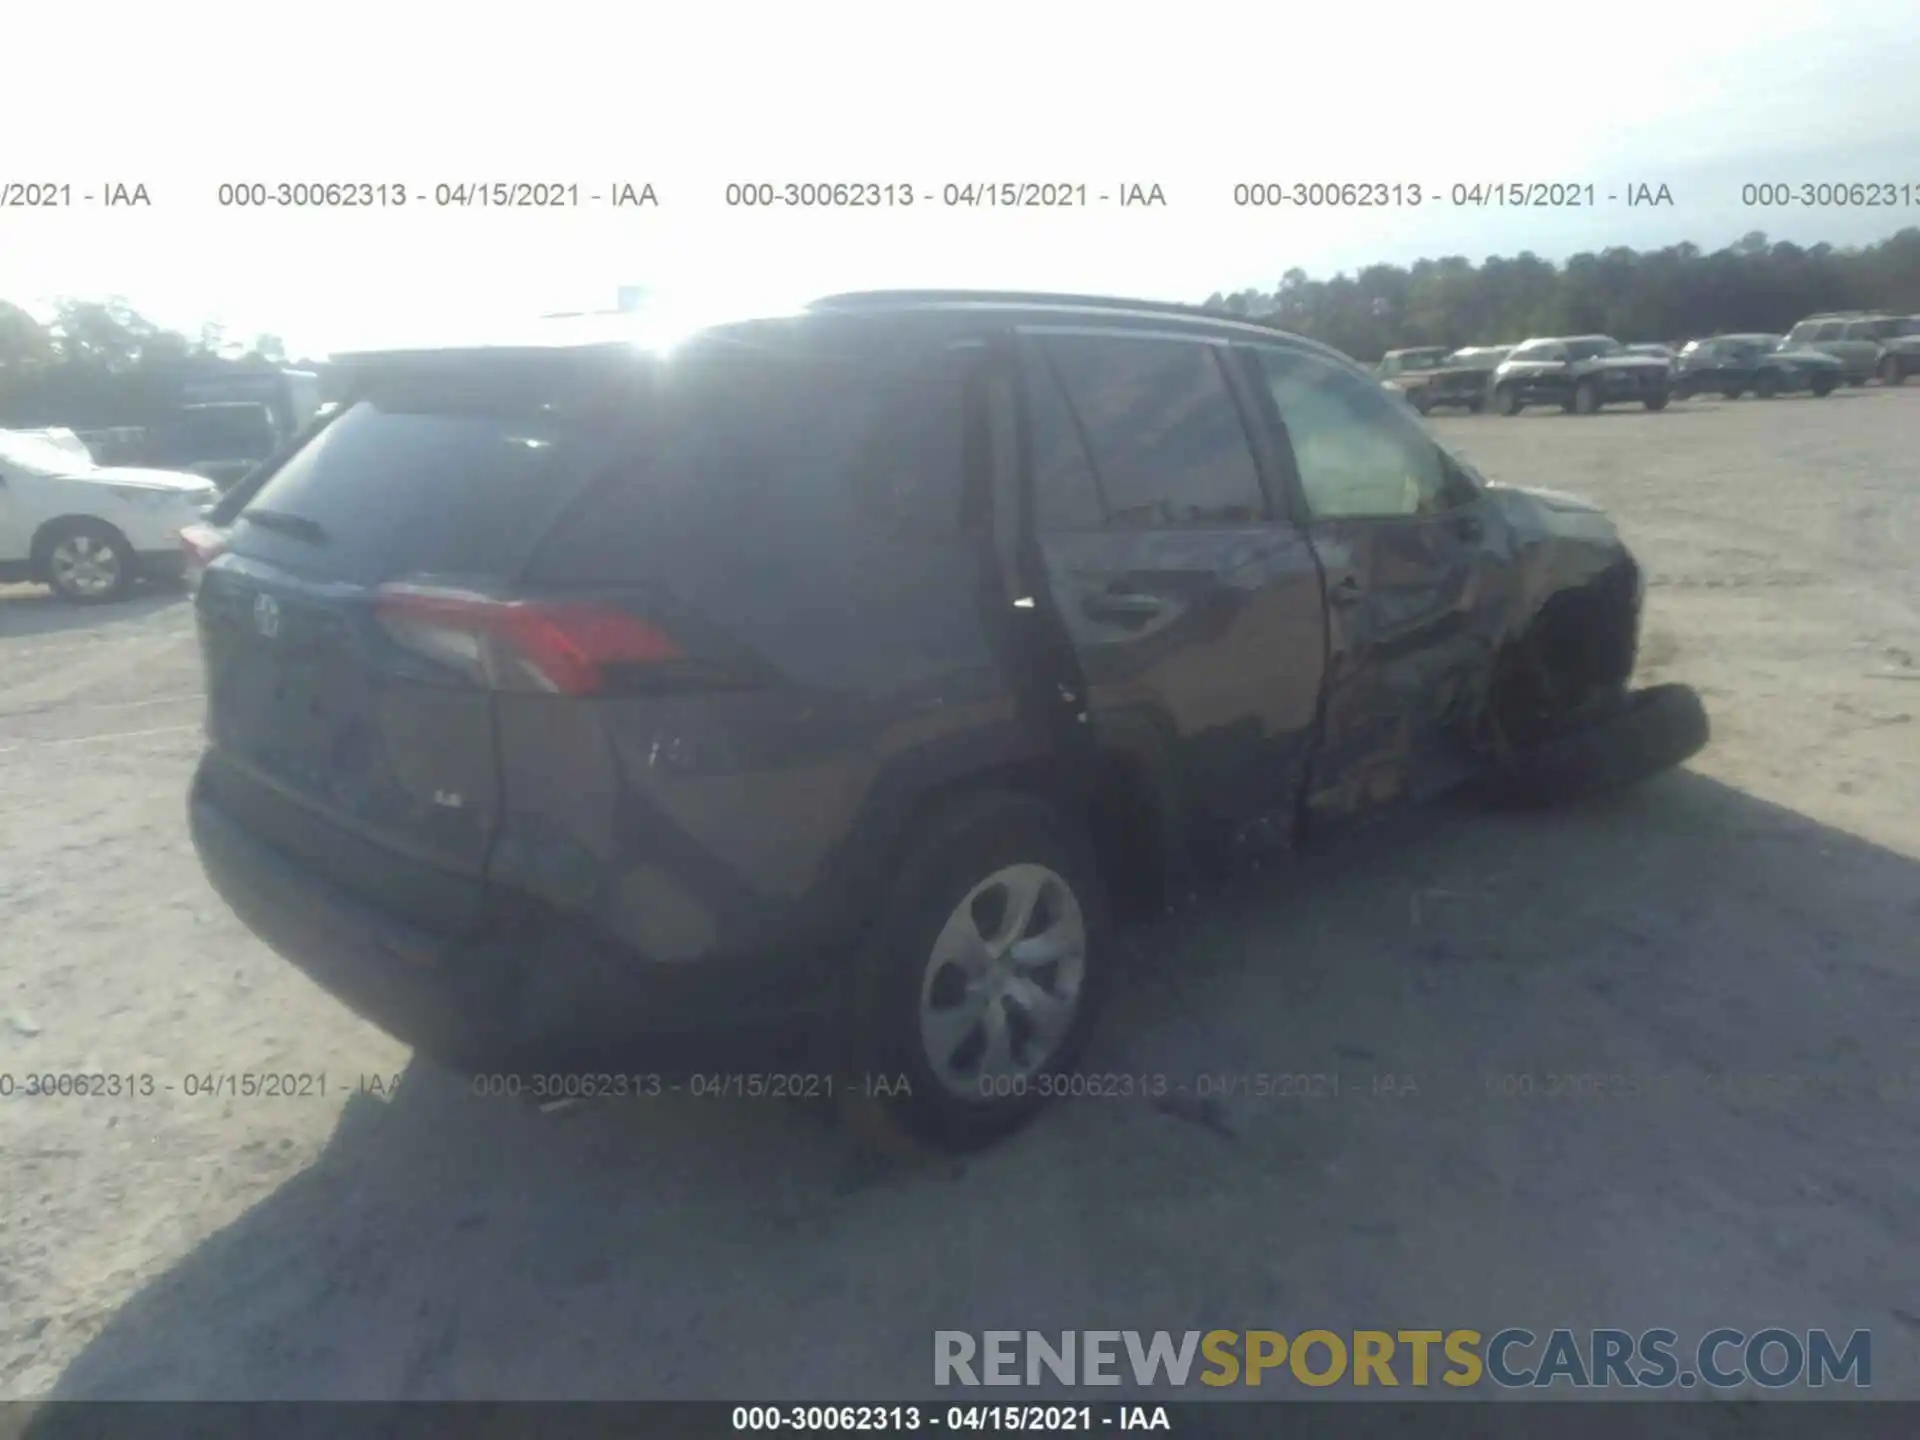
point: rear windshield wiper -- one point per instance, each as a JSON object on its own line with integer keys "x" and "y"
{"x": 298, "y": 526}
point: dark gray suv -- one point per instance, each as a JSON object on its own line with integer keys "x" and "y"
{"x": 805, "y": 702}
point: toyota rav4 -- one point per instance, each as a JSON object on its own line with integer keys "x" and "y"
{"x": 836, "y": 680}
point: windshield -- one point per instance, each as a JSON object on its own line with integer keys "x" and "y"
{"x": 41, "y": 457}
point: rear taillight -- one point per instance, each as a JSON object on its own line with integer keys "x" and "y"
{"x": 560, "y": 647}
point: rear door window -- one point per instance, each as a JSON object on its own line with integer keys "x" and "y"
{"x": 1167, "y": 441}
{"x": 1066, "y": 493}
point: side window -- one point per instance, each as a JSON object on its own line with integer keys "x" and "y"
{"x": 911, "y": 475}
{"x": 1357, "y": 455}
{"x": 1066, "y": 494}
{"x": 1829, "y": 331}
{"x": 1168, "y": 445}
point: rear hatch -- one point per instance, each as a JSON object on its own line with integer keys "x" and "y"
{"x": 349, "y": 627}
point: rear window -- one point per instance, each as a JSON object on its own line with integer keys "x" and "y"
{"x": 450, "y": 472}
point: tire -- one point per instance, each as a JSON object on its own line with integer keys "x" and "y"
{"x": 1586, "y": 398}
{"x": 1643, "y": 733}
{"x": 918, "y": 1015}
{"x": 1893, "y": 371}
{"x": 1822, "y": 387}
{"x": 1507, "y": 400}
{"x": 1733, "y": 392}
{"x": 1476, "y": 407}
{"x": 1766, "y": 385}
{"x": 86, "y": 562}
{"x": 1658, "y": 400}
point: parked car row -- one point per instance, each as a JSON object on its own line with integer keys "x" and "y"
{"x": 1584, "y": 373}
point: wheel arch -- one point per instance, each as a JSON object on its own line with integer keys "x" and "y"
{"x": 49, "y": 532}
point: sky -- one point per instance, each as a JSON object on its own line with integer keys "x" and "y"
{"x": 1195, "y": 98}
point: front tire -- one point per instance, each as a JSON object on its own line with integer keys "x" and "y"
{"x": 1586, "y": 398}
{"x": 1822, "y": 387}
{"x": 1507, "y": 400}
{"x": 86, "y": 562}
{"x": 1658, "y": 400}
{"x": 1642, "y": 734}
{"x": 983, "y": 973}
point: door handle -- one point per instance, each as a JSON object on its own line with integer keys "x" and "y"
{"x": 1123, "y": 605}
{"x": 1345, "y": 590}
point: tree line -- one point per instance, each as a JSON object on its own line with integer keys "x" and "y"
{"x": 97, "y": 364}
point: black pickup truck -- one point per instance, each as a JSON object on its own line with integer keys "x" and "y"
{"x": 1580, "y": 374}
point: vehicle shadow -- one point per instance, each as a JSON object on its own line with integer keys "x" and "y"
{"x": 1513, "y": 1074}
{"x": 27, "y": 610}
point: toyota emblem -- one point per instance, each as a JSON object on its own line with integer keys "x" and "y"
{"x": 266, "y": 616}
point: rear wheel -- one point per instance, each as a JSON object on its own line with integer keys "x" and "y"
{"x": 984, "y": 972}
{"x": 87, "y": 562}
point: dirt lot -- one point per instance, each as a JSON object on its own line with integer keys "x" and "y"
{"x": 1752, "y": 918}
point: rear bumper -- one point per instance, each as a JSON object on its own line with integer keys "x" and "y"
{"x": 527, "y": 991}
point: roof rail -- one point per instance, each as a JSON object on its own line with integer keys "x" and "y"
{"x": 879, "y": 299}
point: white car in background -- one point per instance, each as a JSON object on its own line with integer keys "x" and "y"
{"x": 87, "y": 530}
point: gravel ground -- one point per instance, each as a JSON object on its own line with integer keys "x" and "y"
{"x": 1752, "y": 917}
